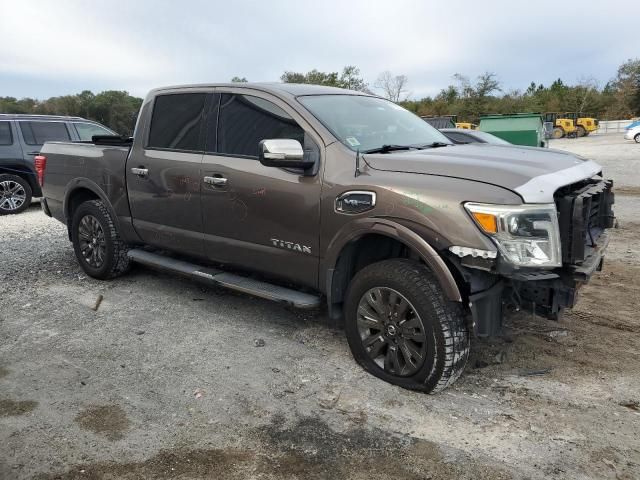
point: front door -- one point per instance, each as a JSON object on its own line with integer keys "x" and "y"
{"x": 163, "y": 176}
{"x": 259, "y": 218}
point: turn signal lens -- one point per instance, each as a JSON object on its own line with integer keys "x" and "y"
{"x": 486, "y": 221}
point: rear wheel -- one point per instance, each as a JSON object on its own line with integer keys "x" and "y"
{"x": 558, "y": 132}
{"x": 402, "y": 329}
{"x": 581, "y": 131}
{"x": 100, "y": 250}
{"x": 15, "y": 194}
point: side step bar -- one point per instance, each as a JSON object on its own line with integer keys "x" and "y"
{"x": 232, "y": 281}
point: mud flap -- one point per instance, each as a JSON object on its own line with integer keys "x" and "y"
{"x": 486, "y": 311}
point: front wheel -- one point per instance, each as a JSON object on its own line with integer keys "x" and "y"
{"x": 15, "y": 194}
{"x": 402, "y": 329}
{"x": 100, "y": 250}
{"x": 581, "y": 131}
{"x": 637, "y": 138}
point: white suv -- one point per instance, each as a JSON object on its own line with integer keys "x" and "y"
{"x": 633, "y": 134}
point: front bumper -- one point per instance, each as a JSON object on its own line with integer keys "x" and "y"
{"x": 543, "y": 292}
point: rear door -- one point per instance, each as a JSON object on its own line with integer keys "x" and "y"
{"x": 164, "y": 177}
{"x": 256, "y": 217}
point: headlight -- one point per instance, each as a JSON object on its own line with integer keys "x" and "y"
{"x": 527, "y": 235}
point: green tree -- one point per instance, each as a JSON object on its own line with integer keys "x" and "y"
{"x": 349, "y": 78}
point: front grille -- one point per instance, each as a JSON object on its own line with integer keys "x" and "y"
{"x": 584, "y": 211}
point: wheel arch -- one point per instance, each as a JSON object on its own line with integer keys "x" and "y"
{"x": 24, "y": 173}
{"x": 351, "y": 250}
{"x": 80, "y": 190}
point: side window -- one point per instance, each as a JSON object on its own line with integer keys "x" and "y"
{"x": 36, "y": 133}
{"x": 5, "y": 134}
{"x": 245, "y": 120}
{"x": 88, "y": 130}
{"x": 176, "y": 121}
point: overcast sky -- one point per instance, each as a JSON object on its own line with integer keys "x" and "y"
{"x": 61, "y": 47}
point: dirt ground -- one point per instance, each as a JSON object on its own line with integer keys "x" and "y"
{"x": 165, "y": 379}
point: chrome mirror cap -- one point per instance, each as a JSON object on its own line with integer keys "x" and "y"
{"x": 284, "y": 153}
{"x": 281, "y": 149}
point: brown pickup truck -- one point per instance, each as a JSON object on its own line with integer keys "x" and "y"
{"x": 299, "y": 193}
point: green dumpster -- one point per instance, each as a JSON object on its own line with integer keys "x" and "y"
{"x": 519, "y": 128}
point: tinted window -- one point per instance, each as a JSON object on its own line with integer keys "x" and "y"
{"x": 36, "y": 133}
{"x": 88, "y": 130}
{"x": 5, "y": 133}
{"x": 176, "y": 121}
{"x": 245, "y": 120}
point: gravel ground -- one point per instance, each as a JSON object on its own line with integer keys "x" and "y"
{"x": 170, "y": 379}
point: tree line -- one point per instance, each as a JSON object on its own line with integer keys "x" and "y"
{"x": 116, "y": 109}
{"x": 619, "y": 98}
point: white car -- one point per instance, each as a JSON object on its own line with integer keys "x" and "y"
{"x": 633, "y": 134}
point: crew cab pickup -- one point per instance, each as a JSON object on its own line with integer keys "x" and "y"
{"x": 303, "y": 194}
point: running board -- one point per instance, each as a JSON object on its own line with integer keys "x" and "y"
{"x": 231, "y": 281}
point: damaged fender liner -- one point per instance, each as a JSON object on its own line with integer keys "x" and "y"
{"x": 544, "y": 292}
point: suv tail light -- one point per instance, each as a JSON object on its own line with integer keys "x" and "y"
{"x": 40, "y": 163}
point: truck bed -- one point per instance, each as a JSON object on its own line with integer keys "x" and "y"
{"x": 100, "y": 168}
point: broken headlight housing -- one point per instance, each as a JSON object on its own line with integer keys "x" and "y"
{"x": 526, "y": 235}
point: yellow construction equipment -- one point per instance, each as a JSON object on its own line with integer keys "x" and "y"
{"x": 562, "y": 125}
{"x": 584, "y": 124}
{"x": 466, "y": 125}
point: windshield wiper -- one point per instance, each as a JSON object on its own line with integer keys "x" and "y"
{"x": 388, "y": 148}
{"x": 435, "y": 145}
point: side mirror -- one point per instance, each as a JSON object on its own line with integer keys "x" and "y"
{"x": 283, "y": 152}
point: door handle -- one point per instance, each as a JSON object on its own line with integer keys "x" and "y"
{"x": 141, "y": 172}
{"x": 216, "y": 181}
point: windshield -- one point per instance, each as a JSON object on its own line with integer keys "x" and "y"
{"x": 369, "y": 123}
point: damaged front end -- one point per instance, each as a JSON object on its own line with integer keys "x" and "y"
{"x": 584, "y": 212}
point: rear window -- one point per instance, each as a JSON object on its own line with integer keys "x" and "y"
{"x": 36, "y": 133}
{"x": 176, "y": 121}
{"x": 88, "y": 130}
{"x": 5, "y": 133}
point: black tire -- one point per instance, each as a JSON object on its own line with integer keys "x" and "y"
{"x": 558, "y": 132}
{"x": 581, "y": 131}
{"x": 637, "y": 138}
{"x": 114, "y": 260}
{"x": 440, "y": 322}
{"x": 15, "y": 194}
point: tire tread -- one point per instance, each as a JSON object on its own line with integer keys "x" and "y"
{"x": 449, "y": 317}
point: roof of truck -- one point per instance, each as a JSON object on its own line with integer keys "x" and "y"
{"x": 293, "y": 89}
{"x": 28, "y": 116}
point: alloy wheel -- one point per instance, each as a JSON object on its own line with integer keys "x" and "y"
{"x": 12, "y": 195}
{"x": 391, "y": 331}
{"x": 92, "y": 241}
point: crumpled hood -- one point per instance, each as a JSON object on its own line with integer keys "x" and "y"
{"x": 534, "y": 173}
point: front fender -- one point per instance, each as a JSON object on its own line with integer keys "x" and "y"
{"x": 390, "y": 228}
